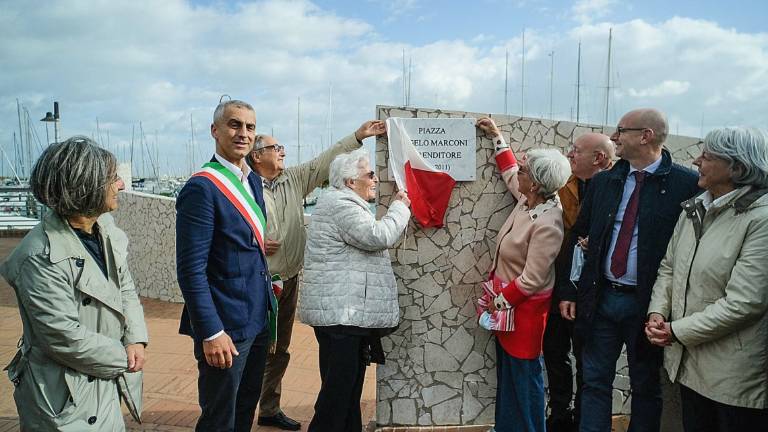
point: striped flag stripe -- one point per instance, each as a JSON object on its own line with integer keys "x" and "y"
{"x": 252, "y": 216}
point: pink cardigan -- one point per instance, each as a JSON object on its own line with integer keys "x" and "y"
{"x": 526, "y": 248}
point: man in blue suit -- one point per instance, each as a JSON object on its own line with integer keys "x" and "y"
{"x": 222, "y": 273}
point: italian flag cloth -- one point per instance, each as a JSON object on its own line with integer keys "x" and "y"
{"x": 428, "y": 188}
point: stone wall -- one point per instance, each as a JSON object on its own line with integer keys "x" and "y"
{"x": 150, "y": 223}
{"x": 440, "y": 366}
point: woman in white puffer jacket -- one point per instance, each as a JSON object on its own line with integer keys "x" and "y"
{"x": 349, "y": 294}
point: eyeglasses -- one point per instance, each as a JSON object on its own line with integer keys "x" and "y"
{"x": 276, "y": 147}
{"x": 576, "y": 151}
{"x": 620, "y": 130}
{"x": 369, "y": 174}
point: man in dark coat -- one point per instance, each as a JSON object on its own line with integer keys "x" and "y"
{"x": 626, "y": 220}
{"x": 590, "y": 154}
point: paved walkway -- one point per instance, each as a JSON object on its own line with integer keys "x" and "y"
{"x": 170, "y": 391}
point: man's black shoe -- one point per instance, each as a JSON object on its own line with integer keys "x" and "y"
{"x": 561, "y": 425}
{"x": 280, "y": 421}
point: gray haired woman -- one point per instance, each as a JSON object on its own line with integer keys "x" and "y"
{"x": 709, "y": 306}
{"x": 84, "y": 333}
{"x": 518, "y": 292}
{"x": 349, "y": 294}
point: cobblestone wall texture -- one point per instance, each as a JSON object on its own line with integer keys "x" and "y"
{"x": 440, "y": 367}
{"x": 150, "y": 223}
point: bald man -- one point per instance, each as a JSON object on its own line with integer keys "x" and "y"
{"x": 589, "y": 154}
{"x": 627, "y": 217}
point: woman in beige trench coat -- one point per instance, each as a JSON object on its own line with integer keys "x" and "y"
{"x": 82, "y": 350}
{"x": 709, "y": 307}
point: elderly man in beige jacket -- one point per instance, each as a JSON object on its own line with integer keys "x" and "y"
{"x": 284, "y": 192}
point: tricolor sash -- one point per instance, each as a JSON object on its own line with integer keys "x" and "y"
{"x": 229, "y": 185}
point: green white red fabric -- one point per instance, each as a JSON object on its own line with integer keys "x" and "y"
{"x": 228, "y": 184}
{"x": 277, "y": 284}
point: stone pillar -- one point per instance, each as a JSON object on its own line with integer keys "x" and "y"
{"x": 440, "y": 366}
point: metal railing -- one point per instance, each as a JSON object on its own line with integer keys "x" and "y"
{"x": 18, "y": 208}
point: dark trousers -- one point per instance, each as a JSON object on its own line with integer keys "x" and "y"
{"x": 277, "y": 363}
{"x": 701, "y": 414}
{"x": 342, "y": 373}
{"x": 519, "y": 393}
{"x": 228, "y": 397}
{"x": 558, "y": 340}
{"x": 616, "y": 323}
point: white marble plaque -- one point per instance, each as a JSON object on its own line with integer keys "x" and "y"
{"x": 449, "y": 144}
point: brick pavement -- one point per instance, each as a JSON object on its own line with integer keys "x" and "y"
{"x": 170, "y": 377}
{"x": 170, "y": 393}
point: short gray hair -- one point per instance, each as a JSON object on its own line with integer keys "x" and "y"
{"x": 258, "y": 142}
{"x": 746, "y": 149}
{"x": 549, "y": 169}
{"x": 71, "y": 178}
{"x": 346, "y": 166}
{"x": 218, "y": 113}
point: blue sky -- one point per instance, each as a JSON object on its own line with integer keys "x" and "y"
{"x": 426, "y": 21}
{"x": 159, "y": 64}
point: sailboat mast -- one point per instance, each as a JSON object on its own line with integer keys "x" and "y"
{"x": 506, "y": 81}
{"x": 10, "y": 165}
{"x": 298, "y": 128}
{"x": 133, "y": 132}
{"x": 410, "y": 72}
{"x": 608, "y": 76}
{"x": 551, "y": 83}
{"x": 522, "y": 81}
{"x": 156, "y": 165}
{"x": 578, "y": 84}
{"x": 98, "y": 133}
{"x": 143, "y": 145}
{"x": 192, "y": 146}
{"x": 21, "y": 138}
{"x": 405, "y": 97}
{"x": 330, "y": 115}
{"x": 29, "y": 141}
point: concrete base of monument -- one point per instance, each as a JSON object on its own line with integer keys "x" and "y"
{"x": 620, "y": 423}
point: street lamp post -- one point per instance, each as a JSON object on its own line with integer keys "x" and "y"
{"x": 52, "y": 117}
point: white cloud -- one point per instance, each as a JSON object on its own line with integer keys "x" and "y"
{"x": 586, "y": 11}
{"x": 665, "y": 88}
{"x": 159, "y": 63}
{"x": 398, "y": 8}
